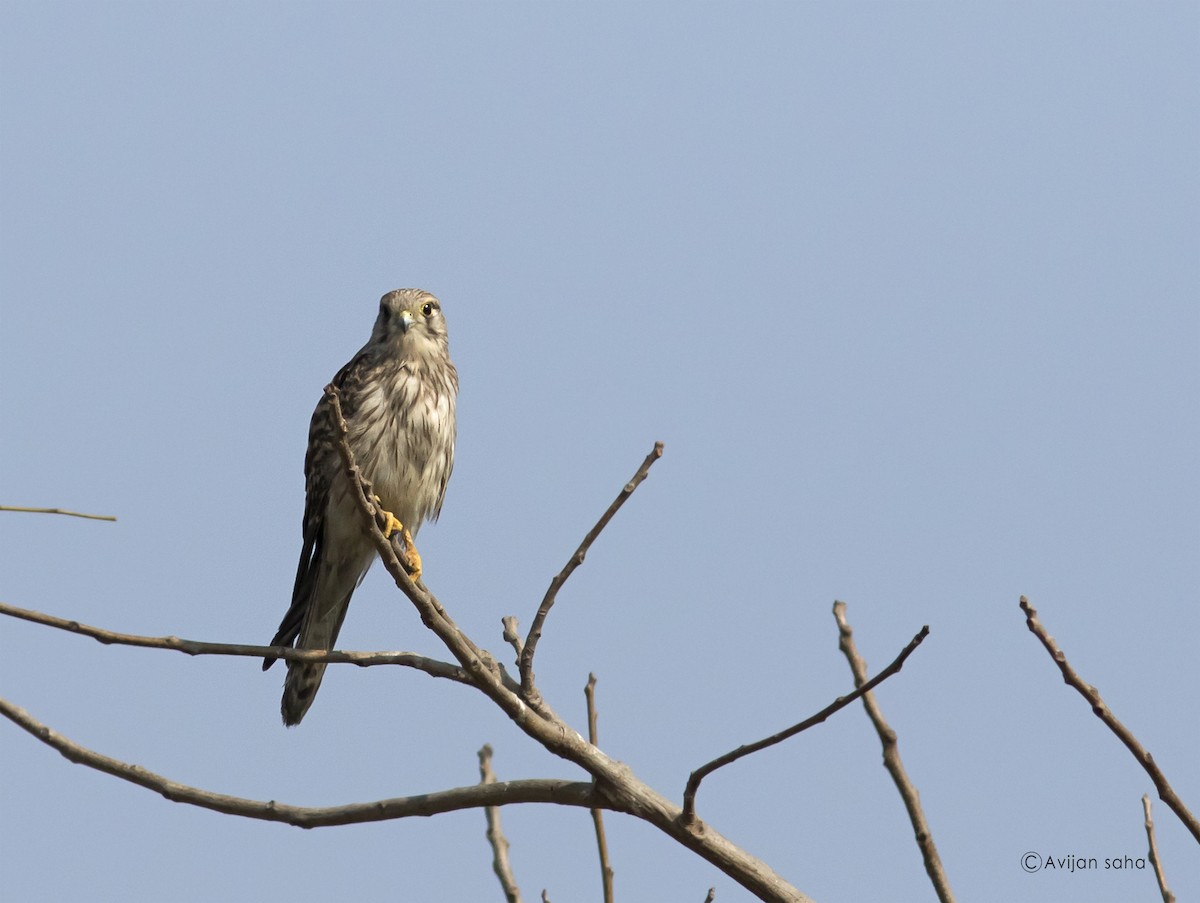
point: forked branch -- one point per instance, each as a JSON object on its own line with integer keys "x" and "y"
{"x": 693, "y": 783}
{"x": 619, "y": 786}
{"x": 613, "y": 786}
{"x": 475, "y": 796}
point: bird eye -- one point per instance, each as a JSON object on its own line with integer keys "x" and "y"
{"x": 428, "y": 308}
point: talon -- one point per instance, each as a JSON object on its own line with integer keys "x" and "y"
{"x": 411, "y": 556}
{"x": 392, "y": 524}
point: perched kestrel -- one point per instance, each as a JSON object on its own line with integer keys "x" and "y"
{"x": 398, "y": 397}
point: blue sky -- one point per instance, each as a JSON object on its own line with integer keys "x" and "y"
{"x": 909, "y": 291}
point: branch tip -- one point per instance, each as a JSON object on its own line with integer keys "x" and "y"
{"x": 63, "y": 511}
{"x": 693, "y": 782}
{"x": 528, "y": 688}
{"x": 891, "y": 758}
{"x": 1101, "y": 710}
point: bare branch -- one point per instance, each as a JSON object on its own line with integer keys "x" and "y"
{"x": 107, "y": 517}
{"x": 711, "y": 895}
{"x": 1102, "y": 711}
{"x": 512, "y": 635}
{"x": 1167, "y": 896}
{"x": 432, "y": 667}
{"x": 528, "y": 690}
{"x": 606, "y": 872}
{"x": 891, "y": 761}
{"x": 565, "y": 793}
{"x": 614, "y": 781}
{"x": 495, "y": 833}
{"x": 693, "y": 784}
{"x": 484, "y": 671}
{"x": 613, "y": 785}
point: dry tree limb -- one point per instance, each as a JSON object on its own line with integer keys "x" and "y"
{"x": 565, "y": 793}
{"x": 693, "y": 783}
{"x": 528, "y": 690}
{"x": 495, "y": 833}
{"x": 107, "y": 517}
{"x": 711, "y": 895}
{"x": 613, "y": 785}
{"x": 432, "y": 667}
{"x": 1167, "y": 896}
{"x": 606, "y": 872}
{"x": 1102, "y": 711}
{"x": 621, "y": 789}
{"x": 891, "y": 761}
{"x": 512, "y": 635}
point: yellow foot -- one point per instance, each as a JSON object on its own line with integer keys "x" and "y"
{"x": 412, "y": 557}
{"x": 392, "y": 524}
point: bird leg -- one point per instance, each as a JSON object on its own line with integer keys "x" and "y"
{"x": 392, "y": 526}
{"x": 411, "y": 557}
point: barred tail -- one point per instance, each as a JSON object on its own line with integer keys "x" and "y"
{"x": 322, "y": 622}
{"x": 300, "y": 688}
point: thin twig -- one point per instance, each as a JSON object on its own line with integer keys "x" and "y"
{"x": 693, "y": 783}
{"x": 432, "y": 667}
{"x": 528, "y": 690}
{"x": 495, "y": 833}
{"x": 566, "y": 793}
{"x": 1102, "y": 711}
{"x": 606, "y": 872}
{"x": 711, "y": 895}
{"x": 614, "y": 786}
{"x": 1167, "y": 896}
{"x": 891, "y": 761}
{"x": 512, "y": 635}
{"x": 622, "y": 790}
{"x": 107, "y": 517}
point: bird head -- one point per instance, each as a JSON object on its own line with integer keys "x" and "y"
{"x": 410, "y": 320}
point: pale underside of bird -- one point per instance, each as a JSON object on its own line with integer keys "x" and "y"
{"x": 397, "y": 396}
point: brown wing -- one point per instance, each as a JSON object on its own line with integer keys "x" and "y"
{"x": 321, "y": 462}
